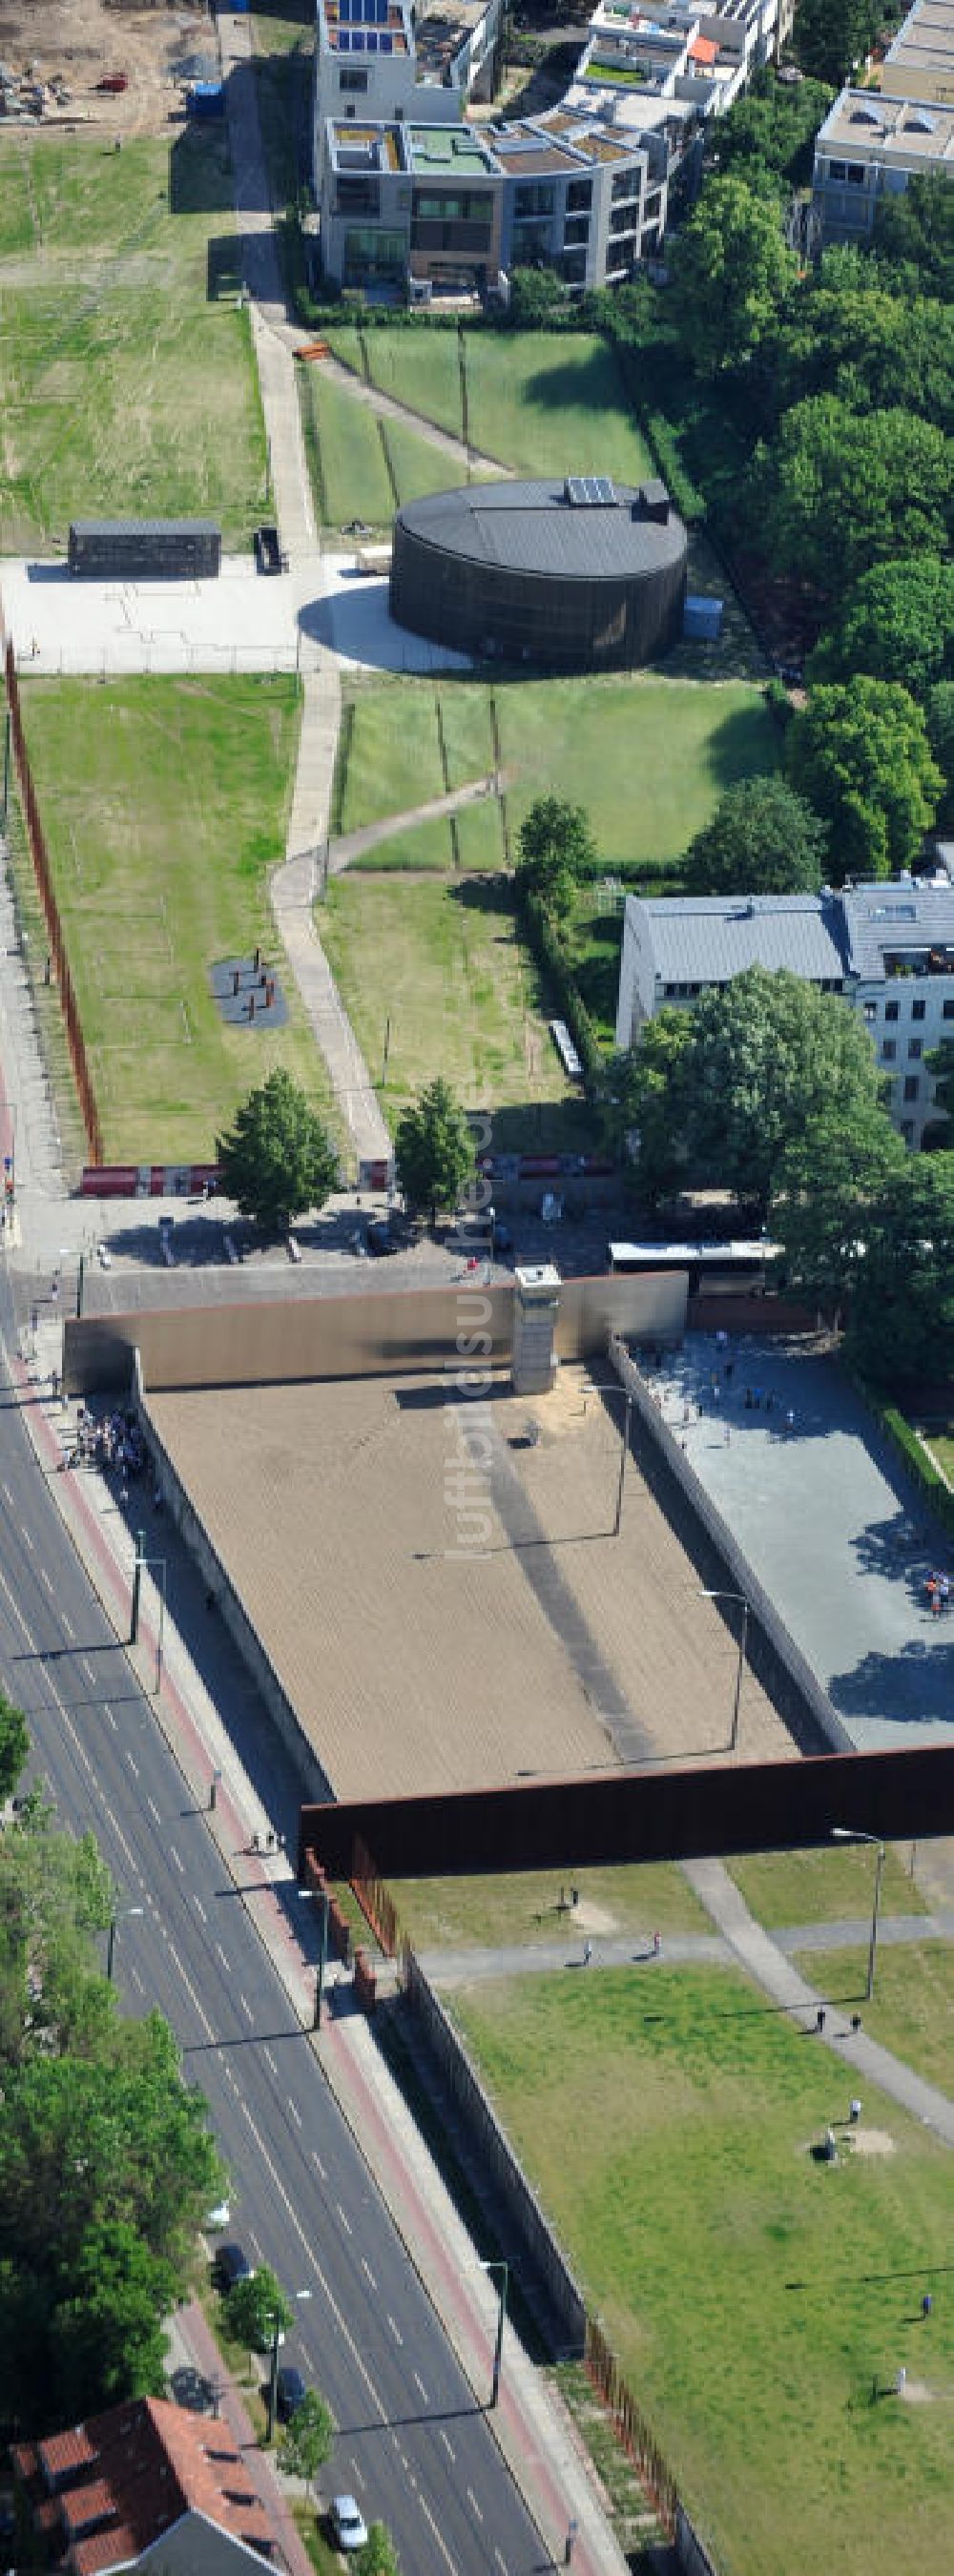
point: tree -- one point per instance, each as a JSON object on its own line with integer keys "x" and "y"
{"x": 838, "y": 493}
{"x": 731, "y": 269}
{"x": 862, "y": 756}
{"x": 901, "y": 1324}
{"x": 277, "y": 1159}
{"x": 824, "y": 1186}
{"x": 768, "y": 1055}
{"x": 433, "y": 1150}
{"x": 773, "y": 127}
{"x": 832, "y": 36}
{"x": 557, "y": 849}
{"x": 254, "y": 2307}
{"x": 108, "y": 2335}
{"x": 763, "y": 839}
{"x": 640, "y": 1102}
{"x": 378, "y": 2556}
{"x": 939, "y": 718}
{"x": 307, "y": 2440}
{"x": 14, "y": 1746}
{"x": 896, "y": 624}
{"x": 848, "y": 333}
{"x": 914, "y": 231}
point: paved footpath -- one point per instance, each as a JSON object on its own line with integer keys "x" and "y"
{"x": 679, "y": 1949}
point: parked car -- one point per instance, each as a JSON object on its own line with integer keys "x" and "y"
{"x": 348, "y": 2529}
{"x": 218, "y": 2217}
{"x": 231, "y": 2264}
{"x": 290, "y": 2392}
{"x": 381, "y": 1241}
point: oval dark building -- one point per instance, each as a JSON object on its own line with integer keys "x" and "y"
{"x": 581, "y": 575}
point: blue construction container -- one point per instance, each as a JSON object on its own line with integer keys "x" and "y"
{"x": 702, "y": 619}
{"x": 206, "y": 98}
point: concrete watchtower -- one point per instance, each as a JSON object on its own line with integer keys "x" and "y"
{"x": 535, "y": 1309}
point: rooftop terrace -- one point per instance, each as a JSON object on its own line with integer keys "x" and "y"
{"x": 451, "y": 148}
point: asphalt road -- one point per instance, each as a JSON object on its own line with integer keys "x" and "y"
{"x": 412, "y": 2444}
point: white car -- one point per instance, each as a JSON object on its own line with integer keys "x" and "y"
{"x": 218, "y": 2217}
{"x": 350, "y": 2532}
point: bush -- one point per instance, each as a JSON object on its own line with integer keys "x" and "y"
{"x": 926, "y": 1475}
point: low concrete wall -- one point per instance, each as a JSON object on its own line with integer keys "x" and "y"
{"x": 229, "y": 1606}
{"x": 380, "y": 1332}
{"x": 495, "y": 2153}
{"x": 772, "y": 1652}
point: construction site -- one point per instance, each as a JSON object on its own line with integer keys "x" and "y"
{"x": 123, "y": 67}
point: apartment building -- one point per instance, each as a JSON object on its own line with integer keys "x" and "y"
{"x": 873, "y": 141}
{"x": 674, "y": 65}
{"x": 378, "y": 62}
{"x": 887, "y": 949}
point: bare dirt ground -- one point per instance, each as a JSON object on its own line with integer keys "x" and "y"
{"x": 83, "y": 41}
{"x": 415, "y": 1665}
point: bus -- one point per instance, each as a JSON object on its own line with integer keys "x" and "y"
{"x": 713, "y": 1268}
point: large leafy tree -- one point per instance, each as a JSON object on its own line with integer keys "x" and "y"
{"x": 861, "y": 754}
{"x": 640, "y": 1102}
{"x": 772, "y": 127}
{"x": 939, "y": 717}
{"x": 839, "y": 492}
{"x": 307, "y": 2440}
{"x": 940, "y": 1063}
{"x": 824, "y": 1186}
{"x": 277, "y": 1159}
{"x": 557, "y": 849}
{"x": 55, "y": 1893}
{"x": 763, "y": 839}
{"x": 14, "y": 1746}
{"x": 768, "y": 1055}
{"x": 832, "y": 36}
{"x": 107, "y": 2334}
{"x": 433, "y": 1150}
{"x": 896, "y": 624}
{"x": 914, "y": 231}
{"x": 731, "y": 269}
{"x": 901, "y": 1324}
{"x": 850, "y": 334}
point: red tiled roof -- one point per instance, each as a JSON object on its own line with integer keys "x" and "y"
{"x": 137, "y": 2470}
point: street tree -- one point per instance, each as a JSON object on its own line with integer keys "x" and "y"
{"x": 897, "y": 623}
{"x": 860, "y": 754}
{"x": 768, "y": 1055}
{"x": 901, "y": 1324}
{"x": 14, "y": 1746}
{"x": 826, "y": 1181}
{"x": 255, "y": 2307}
{"x": 107, "y": 2337}
{"x": 433, "y": 1150}
{"x": 639, "y": 1102}
{"x": 731, "y": 270}
{"x": 838, "y": 492}
{"x": 378, "y": 2557}
{"x": 833, "y": 37}
{"x": 557, "y": 850}
{"x": 772, "y": 127}
{"x": 307, "y": 2440}
{"x": 763, "y": 839}
{"x": 55, "y": 1896}
{"x": 277, "y": 1159}
{"x": 119, "y": 2137}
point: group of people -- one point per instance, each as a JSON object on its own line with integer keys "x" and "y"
{"x": 116, "y": 1443}
{"x": 938, "y": 1590}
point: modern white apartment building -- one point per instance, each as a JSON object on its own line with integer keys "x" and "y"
{"x": 677, "y": 63}
{"x": 379, "y": 61}
{"x": 873, "y": 141}
{"x": 887, "y": 949}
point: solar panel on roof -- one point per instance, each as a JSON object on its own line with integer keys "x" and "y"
{"x": 344, "y": 13}
{"x": 385, "y": 44}
{"x": 344, "y": 42}
{"x": 370, "y": 40}
{"x": 382, "y": 13}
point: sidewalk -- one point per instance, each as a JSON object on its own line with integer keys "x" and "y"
{"x": 191, "y": 2347}
{"x": 679, "y": 1950}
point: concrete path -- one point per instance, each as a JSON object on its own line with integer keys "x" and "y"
{"x": 679, "y": 1949}
{"x": 767, "y": 1965}
{"x": 354, "y": 845}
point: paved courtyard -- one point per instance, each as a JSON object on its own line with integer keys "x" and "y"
{"x": 243, "y": 621}
{"x": 832, "y": 1528}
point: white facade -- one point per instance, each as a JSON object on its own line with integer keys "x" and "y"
{"x": 873, "y": 141}
{"x": 887, "y": 949}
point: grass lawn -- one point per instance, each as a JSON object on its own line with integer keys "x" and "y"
{"x": 165, "y": 804}
{"x": 442, "y": 961}
{"x": 830, "y": 1885}
{"x": 941, "y": 1445}
{"x": 648, "y": 758}
{"x": 279, "y": 26}
{"x": 541, "y": 402}
{"x": 754, "y": 2296}
{"x": 912, "y": 2008}
{"x": 126, "y": 375}
{"x": 348, "y": 450}
{"x": 479, "y": 1913}
{"x": 429, "y": 847}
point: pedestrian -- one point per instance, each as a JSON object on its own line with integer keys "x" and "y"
{"x": 926, "y": 2304}
{"x": 748, "y": 1399}
{"x": 727, "y": 1435}
{"x": 729, "y": 1366}
{"x": 587, "y": 1953}
{"x": 790, "y": 1420}
{"x": 657, "y": 1944}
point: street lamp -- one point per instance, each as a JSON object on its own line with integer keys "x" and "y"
{"x": 609, "y": 1387}
{"x": 854, "y": 1834}
{"x": 308, "y": 1895}
{"x": 743, "y": 1635}
{"x": 124, "y": 1916}
{"x": 504, "y": 2271}
{"x": 273, "y": 2367}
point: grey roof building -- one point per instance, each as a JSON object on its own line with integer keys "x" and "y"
{"x": 581, "y": 574}
{"x": 888, "y": 949}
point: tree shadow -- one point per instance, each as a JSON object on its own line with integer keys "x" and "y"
{"x": 898, "y": 1549}
{"x": 200, "y": 172}
{"x": 914, "y": 1687}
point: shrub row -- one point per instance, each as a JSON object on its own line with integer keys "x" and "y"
{"x": 919, "y": 1465}
{"x": 553, "y": 958}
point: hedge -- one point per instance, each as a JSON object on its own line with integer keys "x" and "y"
{"x": 926, "y": 1475}
{"x": 549, "y": 949}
